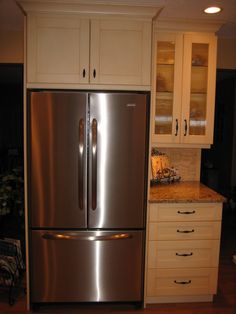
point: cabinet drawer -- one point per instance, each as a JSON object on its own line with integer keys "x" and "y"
{"x": 181, "y": 282}
{"x": 183, "y": 254}
{"x": 184, "y": 230}
{"x": 185, "y": 212}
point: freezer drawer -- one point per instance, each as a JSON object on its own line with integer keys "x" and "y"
{"x": 69, "y": 266}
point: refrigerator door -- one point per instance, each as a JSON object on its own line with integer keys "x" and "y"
{"x": 57, "y": 154}
{"x": 117, "y": 160}
{"x": 86, "y": 266}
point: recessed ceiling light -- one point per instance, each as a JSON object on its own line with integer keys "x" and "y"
{"x": 212, "y": 10}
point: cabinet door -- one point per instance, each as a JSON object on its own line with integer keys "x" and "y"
{"x": 57, "y": 49}
{"x": 168, "y": 78}
{"x": 120, "y": 52}
{"x": 198, "y": 100}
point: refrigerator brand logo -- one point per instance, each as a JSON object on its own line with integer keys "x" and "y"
{"x": 130, "y": 105}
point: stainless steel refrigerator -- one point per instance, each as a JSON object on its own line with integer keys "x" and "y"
{"x": 87, "y": 166}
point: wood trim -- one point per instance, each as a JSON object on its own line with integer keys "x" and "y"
{"x": 78, "y": 6}
{"x": 183, "y": 25}
{"x": 180, "y": 299}
{"x": 88, "y": 86}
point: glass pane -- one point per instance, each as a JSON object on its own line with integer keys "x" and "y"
{"x": 165, "y": 78}
{"x": 197, "y": 120}
{"x": 200, "y": 54}
{"x": 199, "y": 77}
{"x": 165, "y": 52}
{"x": 164, "y": 87}
{"x": 164, "y": 112}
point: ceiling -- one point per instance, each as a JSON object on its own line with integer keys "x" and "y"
{"x": 11, "y": 18}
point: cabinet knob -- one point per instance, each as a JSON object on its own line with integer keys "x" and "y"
{"x": 94, "y": 73}
{"x": 84, "y": 72}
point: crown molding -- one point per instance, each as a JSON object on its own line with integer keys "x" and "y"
{"x": 89, "y": 7}
{"x": 193, "y": 25}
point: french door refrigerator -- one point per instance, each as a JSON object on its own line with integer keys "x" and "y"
{"x": 87, "y": 166}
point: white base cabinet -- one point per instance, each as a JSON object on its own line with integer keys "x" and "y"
{"x": 183, "y": 252}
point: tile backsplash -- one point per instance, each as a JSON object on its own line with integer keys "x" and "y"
{"x": 186, "y": 160}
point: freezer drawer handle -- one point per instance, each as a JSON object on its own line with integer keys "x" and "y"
{"x": 80, "y": 163}
{"x": 183, "y": 282}
{"x": 75, "y": 236}
{"x": 94, "y": 164}
{"x": 186, "y": 213}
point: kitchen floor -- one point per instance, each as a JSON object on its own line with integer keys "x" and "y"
{"x": 224, "y": 301}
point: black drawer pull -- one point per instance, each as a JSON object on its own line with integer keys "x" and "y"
{"x": 185, "y": 231}
{"x": 184, "y": 254}
{"x": 186, "y": 213}
{"x": 182, "y": 282}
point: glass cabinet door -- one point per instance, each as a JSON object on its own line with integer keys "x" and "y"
{"x": 167, "y": 64}
{"x": 164, "y": 87}
{"x": 198, "y": 88}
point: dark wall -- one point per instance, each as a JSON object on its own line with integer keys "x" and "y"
{"x": 217, "y": 161}
{"x": 11, "y": 115}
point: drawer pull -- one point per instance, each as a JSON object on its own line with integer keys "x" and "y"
{"x": 186, "y": 213}
{"x": 185, "y": 231}
{"x": 183, "y": 282}
{"x": 184, "y": 254}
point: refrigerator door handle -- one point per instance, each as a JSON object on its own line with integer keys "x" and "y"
{"x": 75, "y": 236}
{"x": 81, "y": 164}
{"x": 94, "y": 164}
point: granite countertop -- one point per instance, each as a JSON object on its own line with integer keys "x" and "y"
{"x": 180, "y": 192}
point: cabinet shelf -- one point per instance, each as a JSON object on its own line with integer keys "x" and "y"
{"x": 164, "y": 95}
{"x": 170, "y": 64}
{"x": 199, "y": 66}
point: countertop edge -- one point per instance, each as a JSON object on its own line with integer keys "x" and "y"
{"x": 184, "y": 192}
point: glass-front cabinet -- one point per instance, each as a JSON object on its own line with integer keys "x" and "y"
{"x": 169, "y": 57}
{"x": 185, "y": 71}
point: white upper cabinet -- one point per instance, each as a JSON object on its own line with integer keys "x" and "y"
{"x": 198, "y": 92}
{"x": 72, "y": 49}
{"x": 184, "y": 88}
{"x": 57, "y": 49}
{"x": 120, "y": 52}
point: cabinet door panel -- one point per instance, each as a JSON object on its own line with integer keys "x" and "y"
{"x": 198, "y": 88}
{"x": 168, "y": 71}
{"x": 120, "y": 52}
{"x": 57, "y": 49}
